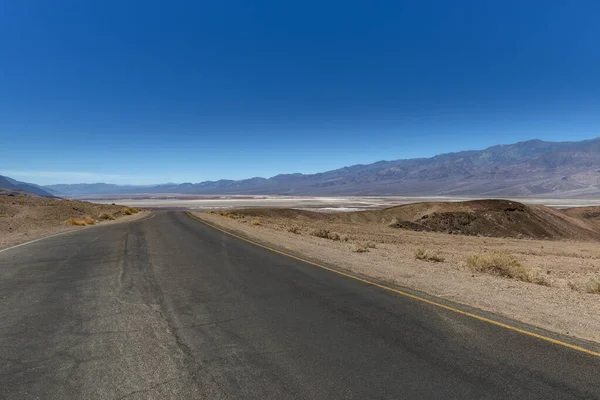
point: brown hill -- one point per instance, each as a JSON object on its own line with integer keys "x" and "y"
{"x": 26, "y": 217}
{"x": 494, "y": 218}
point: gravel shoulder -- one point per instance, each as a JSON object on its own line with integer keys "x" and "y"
{"x": 23, "y": 219}
{"x": 567, "y": 267}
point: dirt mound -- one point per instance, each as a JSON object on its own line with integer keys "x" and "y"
{"x": 496, "y": 218}
{"x": 493, "y": 218}
{"x": 584, "y": 213}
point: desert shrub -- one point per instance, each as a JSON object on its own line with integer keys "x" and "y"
{"x": 361, "y": 248}
{"x": 496, "y": 263}
{"x": 334, "y": 236}
{"x": 321, "y": 233}
{"x": 222, "y": 213}
{"x": 370, "y": 245}
{"x": 211, "y": 212}
{"x": 127, "y": 211}
{"x": 81, "y": 221}
{"x": 594, "y": 286}
{"x": 505, "y": 265}
{"x": 326, "y": 234}
{"x": 255, "y": 222}
{"x": 426, "y": 255}
{"x": 294, "y": 229}
{"x": 106, "y": 216}
{"x": 535, "y": 276}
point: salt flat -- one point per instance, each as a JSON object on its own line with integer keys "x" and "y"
{"x": 334, "y": 203}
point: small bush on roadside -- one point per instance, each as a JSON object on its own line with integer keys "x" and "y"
{"x": 326, "y": 234}
{"x": 535, "y": 276}
{"x": 81, "y": 221}
{"x": 496, "y": 263}
{"x": 294, "y": 229}
{"x": 321, "y": 233}
{"x": 361, "y": 248}
{"x": 594, "y": 286}
{"x": 426, "y": 255}
{"x": 222, "y": 213}
{"x": 334, "y": 236}
{"x": 370, "y": 245}
{"x": 106, "y": 216}
{"x": 505, "y": 265}
{"x": 255, "y": 222}
{"x": 211, "y": 212}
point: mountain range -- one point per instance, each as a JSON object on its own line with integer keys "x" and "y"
{"x": 525, "y": 169}
{"x": 12, "y": 185}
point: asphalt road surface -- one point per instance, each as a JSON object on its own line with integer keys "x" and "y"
{"x": 169, "y": 308}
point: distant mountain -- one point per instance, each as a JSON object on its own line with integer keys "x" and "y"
{"x": 14, "y": 185}
{"x": 524, "y": 169}
{"x": 80, "y": 189}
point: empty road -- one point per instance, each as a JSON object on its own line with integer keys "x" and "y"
{"x": 169, "y": 308}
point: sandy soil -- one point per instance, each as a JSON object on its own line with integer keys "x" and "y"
{"x": 27, "y": 218}
{"x": 567, "y": 266}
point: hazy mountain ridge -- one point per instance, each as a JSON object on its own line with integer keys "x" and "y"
{"x": 531, "y": 168}
{"x": 17, "y": 186}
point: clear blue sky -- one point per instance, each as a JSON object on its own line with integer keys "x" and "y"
{"x": 156, "y": 91}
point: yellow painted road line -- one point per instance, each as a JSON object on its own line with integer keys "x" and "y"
{"x": 412, "y": 296}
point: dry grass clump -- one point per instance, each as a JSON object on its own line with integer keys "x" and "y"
{"x": 364, "y": 247}
{"x": 229, "y": 215}
{"x": 594, "y": 286}
{"x": 106, "y": 216}
{"x": 505, "y": 265}
{"x": 322, "y": 233}
{"x": 426, "y": 255}
{"x": 81, "y": 221}
{"x": 294, "y": 229}
{"x": 255, "y": 222}
{"x": 130, "y": 210}
{"x": 211, "y": 212}
{"x": 496, "y": 263}
{"x": 361, "y": 248}
{"x": 326, "y": 234}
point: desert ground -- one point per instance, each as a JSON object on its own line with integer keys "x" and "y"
{"x": 535, "y": 264}
{"x": 24, "y": 218}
